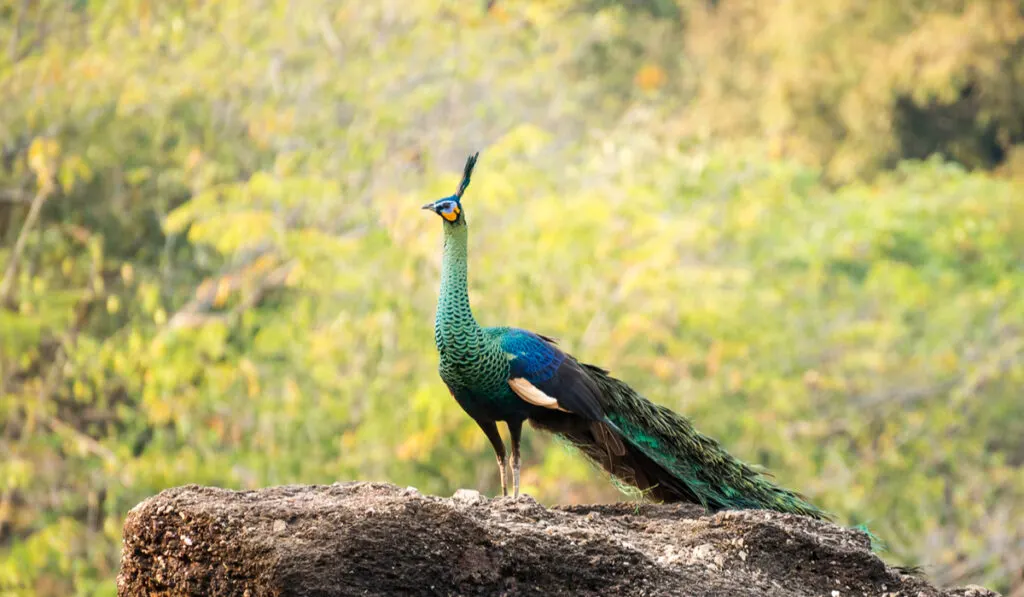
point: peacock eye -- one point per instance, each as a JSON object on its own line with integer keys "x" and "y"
{"x": 449, "y": 211}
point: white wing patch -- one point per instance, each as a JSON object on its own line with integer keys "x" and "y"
{"x": 529, "y": 392}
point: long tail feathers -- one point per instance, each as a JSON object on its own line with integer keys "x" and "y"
{"x": 660, "y": 453}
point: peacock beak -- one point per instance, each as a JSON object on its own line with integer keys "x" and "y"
{"x": 429, "y": 206}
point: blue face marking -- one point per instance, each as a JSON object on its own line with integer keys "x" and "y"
{"x": 448, "y": 208}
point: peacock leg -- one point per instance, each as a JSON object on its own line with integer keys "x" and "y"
{"x": 491, "y": 430}
{"x": 515, "y": 429}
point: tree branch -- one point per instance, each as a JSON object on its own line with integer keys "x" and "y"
{"x": 19, "y": 245}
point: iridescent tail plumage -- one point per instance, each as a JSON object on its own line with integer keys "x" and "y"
{"x": 660, "y": 453}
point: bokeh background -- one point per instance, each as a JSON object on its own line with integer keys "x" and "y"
{"x": 799, "y": 223}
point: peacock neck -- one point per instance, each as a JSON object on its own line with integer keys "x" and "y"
{"x": 454, "y": 327}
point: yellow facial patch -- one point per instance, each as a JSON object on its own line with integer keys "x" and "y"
{"x": 452, "y": 215}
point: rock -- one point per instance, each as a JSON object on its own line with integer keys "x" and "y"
{"x": 468, "y": 496}
{"x": 378, "y": 539}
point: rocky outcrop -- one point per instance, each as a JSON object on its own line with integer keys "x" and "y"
{"x": 379, "y": 539}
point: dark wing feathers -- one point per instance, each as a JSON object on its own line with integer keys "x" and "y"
{"x": 552, "y": 371}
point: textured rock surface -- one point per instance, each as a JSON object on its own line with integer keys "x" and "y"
{"x": 378, "y": 539}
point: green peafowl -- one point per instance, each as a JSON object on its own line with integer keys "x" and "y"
{"x": 513, "y": 375}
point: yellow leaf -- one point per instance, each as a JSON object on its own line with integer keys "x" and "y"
{"x": 294, "y": 275}
{"x": 159, "y": 411}
{"x": 663, "y": 367}
{"x": 223, "y": 292}
{"x": 193, "y": 159}
{"x": 42, "y": 158}
{"x": 216, "y": 425}
{"x": 410, "y": 448}
{"x": 499, "y": 13}
{"x": 650, "y": 77}
{"x": 127, "y": 273}
{"x": 251, "y": 377}
{"x": 133, "y": 95}
{"x": 714, "y": 358}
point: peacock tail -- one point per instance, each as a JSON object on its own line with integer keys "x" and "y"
{"x": 668, "y": 459}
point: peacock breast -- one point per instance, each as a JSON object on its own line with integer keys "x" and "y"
{"x": 478, "y": 377}
{"x": 473, "y": 368}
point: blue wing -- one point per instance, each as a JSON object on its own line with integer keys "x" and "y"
{"x": 536, "y": 360}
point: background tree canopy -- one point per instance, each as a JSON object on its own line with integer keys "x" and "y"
{"x": 801, "y": 224}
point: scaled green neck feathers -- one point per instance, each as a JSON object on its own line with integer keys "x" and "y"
{"x": 454, "y": 326}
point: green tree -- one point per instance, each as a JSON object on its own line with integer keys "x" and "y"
{"x": 855, "y": 87}
{"x": 214, "y": 269}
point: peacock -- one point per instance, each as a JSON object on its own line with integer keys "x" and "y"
{"x": 511, "y": 375}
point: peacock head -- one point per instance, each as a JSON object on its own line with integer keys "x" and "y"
{"x": 450, "y": 208}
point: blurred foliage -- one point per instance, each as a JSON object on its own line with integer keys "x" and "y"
{"x": 855, "y": 86}
{"x": 214, "y": 269}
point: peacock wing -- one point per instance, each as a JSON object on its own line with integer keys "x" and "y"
{"x": 543, "y": 375}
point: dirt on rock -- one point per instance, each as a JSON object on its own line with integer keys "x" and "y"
{"x": 379, "y": 539}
